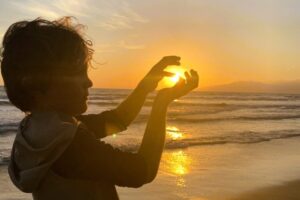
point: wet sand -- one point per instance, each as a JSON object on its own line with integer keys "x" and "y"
{"x": 260, "y": 171}
{"x": 285, "y": 191}
{"x": 220, "y": 172}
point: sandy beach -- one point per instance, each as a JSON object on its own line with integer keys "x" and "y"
{"x": 229, "y": 172}
{"x": 289, "y": 190}
{"x": 266, "y": 170}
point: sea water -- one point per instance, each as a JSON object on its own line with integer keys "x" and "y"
{"x": 202, "y": 127}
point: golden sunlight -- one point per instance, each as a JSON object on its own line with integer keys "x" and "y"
{"x": 180, "y": 163}
{"x": 174, "y": 79}
{"x": 174, "y": 133}
{"x": 177, "y": 163}
{"x": 178, "y": 72}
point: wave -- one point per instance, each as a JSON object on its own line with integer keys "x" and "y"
{"x": 237, "y": 118}
{"x": 113, "y": 94}
{"x": 177, "y": 118}
{"x": 4, "y": 160}
{"x": 225, "y": 106}
{"x": 224, "y": 96}
{"x": 240, "y": 98}
{"x": 246, "y": 137}
{"x": 8, "y": 128}
{"x": 106, "y": 97}
{"x": 4, "y": 102}
{"x": 120, "y": 97}
{"x": 103, "y": 103}
{"x": 237, "y": 106}
{"x": 243, "y": 96}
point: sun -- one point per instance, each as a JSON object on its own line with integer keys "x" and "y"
{"x": 175, "y": 78}
{"x": 178, "y": 72}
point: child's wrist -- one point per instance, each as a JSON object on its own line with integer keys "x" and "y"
{"x": 162, "y": 99}
{"x": 141, "y": 88}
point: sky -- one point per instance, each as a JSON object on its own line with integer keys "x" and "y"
{"x": 224, "y": 40}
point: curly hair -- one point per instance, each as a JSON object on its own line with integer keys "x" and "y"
{"x": 33, "y": 52}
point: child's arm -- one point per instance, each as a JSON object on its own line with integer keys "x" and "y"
{"x": 121, "y": 117}
{"x": 154, "y": 137}
{"x": 103, "y": 124}
{"x": 131, "y": 106}
{"x": 90, "y": 159}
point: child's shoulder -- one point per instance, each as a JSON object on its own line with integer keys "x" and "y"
{"x": 44, "y": 128}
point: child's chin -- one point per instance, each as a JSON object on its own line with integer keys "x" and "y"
{"x": 82, "y": 109}
{"x": 78, "y": 109}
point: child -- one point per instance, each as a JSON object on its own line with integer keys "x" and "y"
{"x": 57, "y": 153}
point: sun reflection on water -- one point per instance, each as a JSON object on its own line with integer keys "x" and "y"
{"x": 180, "y": 162}
{"x": 174, "y": 133}
{"x": 177, "y": 163}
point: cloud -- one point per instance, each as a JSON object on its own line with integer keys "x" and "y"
{"x": 115, "y": 22}
{"x": 117, "y": 15}
{"x": 125, "y": 45}
{"x": 71, "y": 7}
{"x": 130, "y": 13}
{"x": 112, "y": 47}
{"x": 104, "y": 48}
{"x": 36, "y": 9}
{"x": 109, "y": 15}
{"x": 53, "y": 9}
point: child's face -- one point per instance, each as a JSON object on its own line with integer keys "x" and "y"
{"x": 69, "y": 94}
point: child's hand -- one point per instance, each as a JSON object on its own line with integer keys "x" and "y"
{"x": 150, "y": 81}
{"x": 182, "y": 88}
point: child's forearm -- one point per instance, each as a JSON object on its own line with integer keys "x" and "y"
{"x": 131, "y": 106}
{"x": 154, "y": 137}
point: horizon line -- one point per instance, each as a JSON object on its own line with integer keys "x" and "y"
{"x": 208, "y": 91}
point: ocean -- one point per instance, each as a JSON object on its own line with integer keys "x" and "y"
{"x": 212, "y": 140}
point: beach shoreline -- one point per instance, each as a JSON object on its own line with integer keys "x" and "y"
{"x": 266, "y": 170}
{"x": 218, "y": 172}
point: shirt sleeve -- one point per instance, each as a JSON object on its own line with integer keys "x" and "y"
{"x": 103, "y": 124}
{"x": 90, "y": 159}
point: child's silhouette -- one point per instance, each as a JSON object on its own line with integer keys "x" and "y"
{"x": 56, "y": 152}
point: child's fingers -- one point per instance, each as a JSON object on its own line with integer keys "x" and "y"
{"x": 194, "y": 73}
{"x": 187, "y": 75}
{"x": 195, "y": 78}
{"x": 180, "y": 83}
{"x": 189, "y": 80}
{"x": 166, "y": 61}
{"x": 171, "y": 60}
{"x": 169, "y": 74}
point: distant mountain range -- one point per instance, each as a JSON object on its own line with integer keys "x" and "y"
{"x": 258, "y": 87}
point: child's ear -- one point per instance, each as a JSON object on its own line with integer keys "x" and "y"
{"x": 38, "y": 83}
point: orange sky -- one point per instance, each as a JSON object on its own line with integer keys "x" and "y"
{"x": 224, "y": 41}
